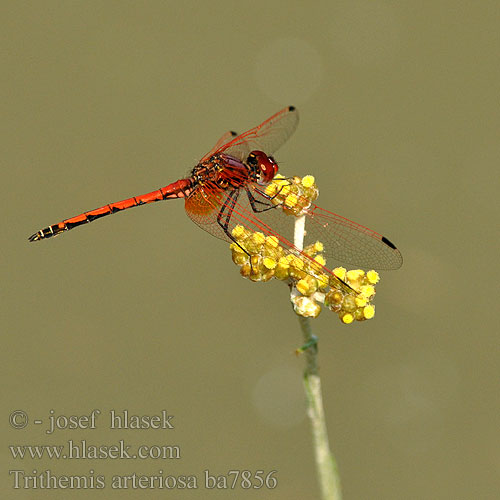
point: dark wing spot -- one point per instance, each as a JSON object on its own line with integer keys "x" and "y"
{"x": 233, "y": 133}
{"x": 388, "y": 243}
{"x": 291, "y": 108}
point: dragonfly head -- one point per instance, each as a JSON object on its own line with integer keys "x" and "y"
{"x": 265, "y": 167}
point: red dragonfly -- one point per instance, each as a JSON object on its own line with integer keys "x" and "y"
{"x": 227, "y": 187}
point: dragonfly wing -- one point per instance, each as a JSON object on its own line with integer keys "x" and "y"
{"x": 204, "y": 205}
{"x": 269, "y": 136}
{"x": 349, "y": 242}
{"x": 253, "y": 210}
{"x": 219, "y": 212}
{"x": 228, "y": 136}
{"x": 345, "y": 242}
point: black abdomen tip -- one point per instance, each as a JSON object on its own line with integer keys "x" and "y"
{"x": 291, "y": 108}
{"x": 389, "y": 243}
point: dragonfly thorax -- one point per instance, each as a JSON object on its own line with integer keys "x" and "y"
{"x": 221, "y": 171}
{"x": 264, "y": 167}
{"x": 208, "y": 170}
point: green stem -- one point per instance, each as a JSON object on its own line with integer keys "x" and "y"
{"x": 328, "y": 474}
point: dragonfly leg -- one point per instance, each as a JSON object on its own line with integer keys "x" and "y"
{"x": 279, "y": 190}
{"x": 224, "y": 216}
{"x": 253, "y": 202}
{"x": 228, "y": 206}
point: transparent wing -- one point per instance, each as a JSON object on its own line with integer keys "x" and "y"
{"x": 350, "y": 243}
{"x": 203, "y": 207}
{"x": 345, "y": 241}
{"x": 219, "y": 212}
{"x": 207, "y": 206}
{"x": 228, "y": 136}
{"x": 269, "y": 136}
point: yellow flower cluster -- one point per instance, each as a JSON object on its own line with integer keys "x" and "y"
{"x": 293, "y": 195}
{"x": 347, "y": 293}
{"x": 262, "y": 257}
{"x": 349, "y": 296}
{"x": 355, "y": 305}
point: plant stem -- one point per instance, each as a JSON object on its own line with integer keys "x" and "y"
{"x": 328, "y": 475}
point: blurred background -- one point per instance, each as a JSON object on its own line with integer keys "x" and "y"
{"x": 144, "y": 311}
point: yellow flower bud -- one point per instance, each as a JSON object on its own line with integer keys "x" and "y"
{"x": 279, "y": 179}
{"x": 354, "y": 274}
{"x": 347, "y": 318}
{"x": 296, "y": 262}
{"x": 291, "y": 200}
{"x": 236, "y": 248}
{"x": 240, "y": 258}
{"x": 333, "y": 300}
{"x": 367, "y": 291}
{"x": 335, "y": 297}
{"x": 369, "y": 312}
{"x": 269, "y": 263}
{"x": 238, "y": 231}
{"x": 255, "y": 261}
{"x": 245, "y": 270}
{"x": 303, "y": 287}
{"x": 267, "y": 275}
{"x": 285, "y": 190}
{"x": 349, "y": 303}
{"x": 307, "y": 285}
{"x": 358, "y": 315}
{"x": 297, "y": 274}
{"x": 272, "y": 241}
{"x": 258, "y": 238}
{"x": 309, "y": 250}
{"x": 320, "y": 260}
{"x": 284, "y": 262}
{"x": 340, "y": 272}
{"x": 319, "y": 247}
{"x": 271, "y": 189}
{"x": 281, "y": 272}
{"x": 308, "y": 181}
{"x": 323, "y": 281}
{"x": 361, "y": 301}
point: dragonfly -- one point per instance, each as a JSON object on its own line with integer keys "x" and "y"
{"x": 227, "y": 188}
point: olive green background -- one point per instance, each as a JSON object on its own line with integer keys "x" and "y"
{"x": 399, "y": 107}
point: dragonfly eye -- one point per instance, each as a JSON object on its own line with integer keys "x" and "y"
{"x": 265, "y": 168}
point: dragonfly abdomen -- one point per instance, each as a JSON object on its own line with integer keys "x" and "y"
{"x": 178, "y": 189}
